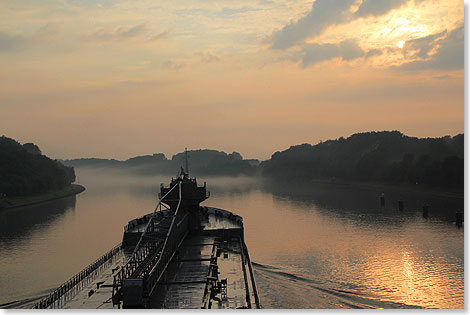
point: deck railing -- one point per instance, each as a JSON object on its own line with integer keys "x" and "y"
{"x": 69, "y": 289}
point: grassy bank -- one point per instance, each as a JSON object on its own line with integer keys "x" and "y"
{"x": 16, "y": 202}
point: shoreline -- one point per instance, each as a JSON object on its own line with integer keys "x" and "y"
{"x": 382, "y": 186}
{"x": 23, "y": 201}
{"x": 388, "y": 186}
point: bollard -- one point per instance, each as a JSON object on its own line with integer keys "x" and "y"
{"x": 400, "y": 205}
{"x": 382, "y": 200}
{"x": 458, "y": 219}
{"x": 425, "y": 211}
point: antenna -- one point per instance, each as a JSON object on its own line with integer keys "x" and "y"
{"x": 186, "y": 160}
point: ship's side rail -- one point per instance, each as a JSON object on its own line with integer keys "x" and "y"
{"x": 68, "y": 290}
{"x": 145, "y": 219}
{"x": 252, "y": 276}
{"x": 225, "y": 242}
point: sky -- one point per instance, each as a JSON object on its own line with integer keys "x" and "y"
{"x": 120, "y": 78}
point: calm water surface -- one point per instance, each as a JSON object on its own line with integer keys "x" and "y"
{"x": 315, "y": 246}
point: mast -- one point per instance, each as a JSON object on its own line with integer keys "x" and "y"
{"x": 186, "y": 161}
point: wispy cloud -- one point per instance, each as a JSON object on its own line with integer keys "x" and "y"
{"x": 173, "y": 65}
{"x": 441, "y": 77}
{"x": 120, "y": 33}
{"x": 207, "y": 57}
{"x": 124, "y": 33}
{"x": 159, "y": 36}
{"x": 11, "y": 43}
{"x": 230, "y": 12}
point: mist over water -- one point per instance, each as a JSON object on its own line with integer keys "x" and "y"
{"x": 314, "y": 246}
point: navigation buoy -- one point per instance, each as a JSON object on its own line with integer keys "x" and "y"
{"x": 401, "y": 205}
{"x": 425, "y": 211}
{"x": 459, "y": 219}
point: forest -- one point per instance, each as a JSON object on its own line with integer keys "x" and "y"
{"x": 387, "y": 156}
{"x": 24, "y": 170}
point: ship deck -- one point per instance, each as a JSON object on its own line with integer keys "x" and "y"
{"x": 211, "y": 269}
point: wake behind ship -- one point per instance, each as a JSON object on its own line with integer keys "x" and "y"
{"x": 180, "y": 256}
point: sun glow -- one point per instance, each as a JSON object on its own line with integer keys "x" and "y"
{"x": 401, "y": 43}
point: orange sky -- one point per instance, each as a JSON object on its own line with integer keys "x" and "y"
{"x": 120, "y": 78}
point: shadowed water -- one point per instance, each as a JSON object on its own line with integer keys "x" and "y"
{"x": 314, "y": 246}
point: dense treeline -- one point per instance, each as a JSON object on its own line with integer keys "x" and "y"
{"x": 201, "y": 162}
{"x": 375, "y": 156}
{"x": 387, "y": 156}
{"x": 25, "y": 171}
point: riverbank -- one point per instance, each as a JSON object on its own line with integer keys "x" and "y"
{"x": 386, "y": 186}
{"x": 436, "y": 191}
{"x": 17, "y": 202}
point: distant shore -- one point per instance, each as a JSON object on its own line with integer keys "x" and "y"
{"x": 23, "y": 201}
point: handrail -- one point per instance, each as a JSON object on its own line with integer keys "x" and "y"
{"x": 173, "y": 220}
{"x": 252, "y": 276}
{"x": 148, "y": 224}
{"x": 157, "y": 270}
{"x": 57, "y": 294}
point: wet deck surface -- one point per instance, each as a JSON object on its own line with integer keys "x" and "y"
{"x": 186, "y": 277}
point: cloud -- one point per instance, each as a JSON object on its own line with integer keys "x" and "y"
{"x": 207, "y": 57}
{"x": 324, "y": 13}
{"x": 229, "y": 12}
{"x": 173, "y": 64}
{"x": 421, "y": 47}
{"x": 441, "y": 77}
{"x": 124, "y": 33}
{"x": 10, "y": 43}
{"x": 378, "y": 7}
{"x": 347, "y": 50}
{"x": 373, "y": 52}
{"x": 449, "y": 53}
{"x": 120, "y": 33}
{"x": 162, "y": 35}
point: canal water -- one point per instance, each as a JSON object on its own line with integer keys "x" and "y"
{"x": 313, "y": 245}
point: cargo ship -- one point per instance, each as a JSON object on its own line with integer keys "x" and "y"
{"x": 180, "y": 256}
